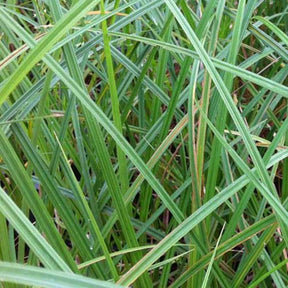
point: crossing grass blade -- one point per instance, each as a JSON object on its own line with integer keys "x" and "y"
{"x": 31, "y": 235}
{"x": 23, "y": 274}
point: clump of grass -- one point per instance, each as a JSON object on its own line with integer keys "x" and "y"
{"x": 143, "y": 143}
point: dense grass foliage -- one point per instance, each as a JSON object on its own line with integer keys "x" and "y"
{"x": 144, "y": 143}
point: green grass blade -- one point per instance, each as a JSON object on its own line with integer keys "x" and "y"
{"x": 31, "y": 235}
{"x": 23, "y": 274}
